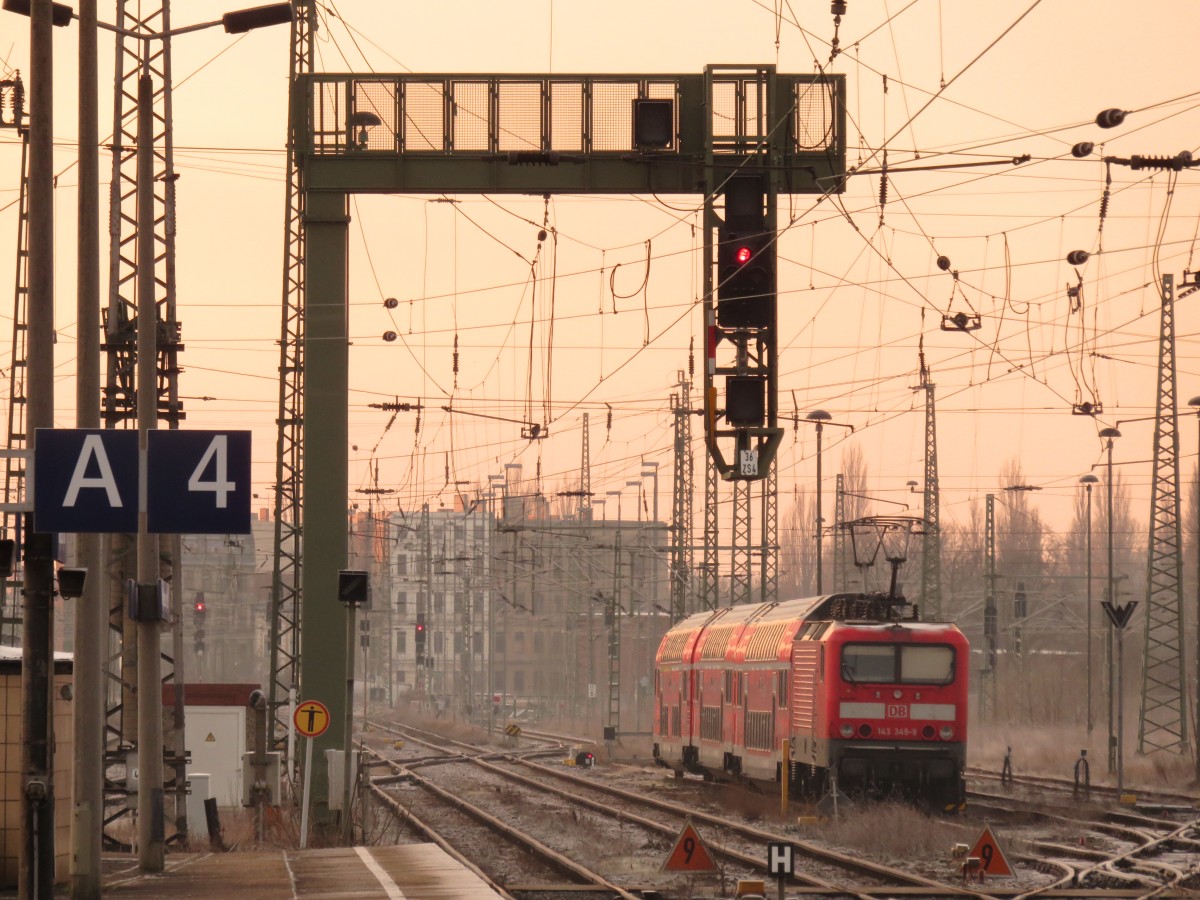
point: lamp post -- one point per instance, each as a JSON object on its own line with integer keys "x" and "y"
{"x": 650, "y": 470}
{"x": 1108, "y": 434}
{"x": 820, "y": 417}
{"x": 151, "y": 851}
{"x": 1087, "y": 481}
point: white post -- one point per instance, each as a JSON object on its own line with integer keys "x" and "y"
{"x": 307, "y": 784}
{"x": 291, "y": 734}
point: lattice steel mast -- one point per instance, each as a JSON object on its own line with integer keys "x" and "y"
{"x": 769, "y": 538}
{"x": 12, "y": 97}
{"x": 285, "y": 580}
{"x": 987, "y": 686}
{"x": 585, "y": 473}
{"x": 931, "y": 543}
{"x": 1163, "y": 720}
{"x": 681, "y": 502}
{"x": 143, "y": 49}
{"x": 839, "y": 535}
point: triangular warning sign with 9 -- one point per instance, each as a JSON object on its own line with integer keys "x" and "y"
{"x": 689, "y": 853}
{"x": 991, "y": 858}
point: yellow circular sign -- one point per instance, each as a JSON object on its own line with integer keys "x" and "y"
{"x": 311, "y": 718}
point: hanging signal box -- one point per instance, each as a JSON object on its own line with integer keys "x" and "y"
{"x": 745, "y": 257}
{"x": 962, "y": 322}
{"x": 746, "y": 282}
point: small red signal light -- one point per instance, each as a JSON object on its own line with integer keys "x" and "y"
{"x": 199, "y": 607}
{"x": 742, "y": 255}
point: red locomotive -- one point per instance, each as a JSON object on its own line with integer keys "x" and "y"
{"x": 842, "y": 691}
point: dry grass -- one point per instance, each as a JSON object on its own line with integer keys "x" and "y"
{"x": 1053, "y": 750}
{"x": 890, "y": 832}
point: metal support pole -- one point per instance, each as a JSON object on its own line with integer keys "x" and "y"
{"x": 820, "y": 520}
{"x": 1110, "y": 590}
{"x": 91, "y": 610}
{"x": 326, "y": 369}
{"x": 35, "y": 870}
{"x": 1090, "y": 717}
{"x": 1120, "y": 749}
{"x": 348, "y": 728}
{"x": 150, "y": 830}
{"x": 1195, "y": 402}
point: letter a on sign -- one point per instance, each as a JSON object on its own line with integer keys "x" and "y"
{"x": 689, "y": 853}
{"x": 991, "y": 857}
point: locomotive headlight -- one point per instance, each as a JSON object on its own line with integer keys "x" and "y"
{"x": 947, "y": 732}
{"x": 847, "y": 730}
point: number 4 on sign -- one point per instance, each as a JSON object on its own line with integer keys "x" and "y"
{"x": 689, "y": 853}
{"x": 991, "y": 858}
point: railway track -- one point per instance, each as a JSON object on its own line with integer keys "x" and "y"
{"x": 1147, "y": 799}
{"x": 567, "y": 801}
{"x": 1107, "y": 848}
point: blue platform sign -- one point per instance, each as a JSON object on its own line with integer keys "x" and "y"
{"x": 198, "y": 482}
{"x": 85, "y": 480}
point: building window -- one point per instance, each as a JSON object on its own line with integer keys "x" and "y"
{"x": 402, "y": 601}
{"x": 401, "y": 641}
{"x": 437, "y": 643}
{"x": 402, "y": 564}
{"x": 519, "y": 681}
{"x": 538, "y": 643}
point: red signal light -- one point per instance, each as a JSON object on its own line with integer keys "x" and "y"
{"x": 742, "y": 255}
{"x": 420, "y": 626}
{"x": 199, "y": 606}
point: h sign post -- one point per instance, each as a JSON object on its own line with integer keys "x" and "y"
{"x": 781, "y": 862}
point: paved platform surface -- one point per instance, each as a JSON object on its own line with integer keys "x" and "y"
{"x": 402, "y": 872}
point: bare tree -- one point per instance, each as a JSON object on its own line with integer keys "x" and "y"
{"x": 854, "y": 483}
{"x": 798, "y": 548}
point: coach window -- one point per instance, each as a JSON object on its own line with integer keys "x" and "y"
{"x": 926, "y": 664}
{"x": 781, "y": 688}
{"x": 873, "y": 663}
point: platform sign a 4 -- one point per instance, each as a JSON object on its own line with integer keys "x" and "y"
{"x": 198, "y": 482}
{"x": 85, "y": 480}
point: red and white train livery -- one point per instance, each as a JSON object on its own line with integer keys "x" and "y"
{"x": 840, "y": 691}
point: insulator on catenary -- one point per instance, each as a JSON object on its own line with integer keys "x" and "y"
{"x": 541, "y": 235}
{"x": 883, "y": 188}
{"x": 1077, "y": 257}
{"x": 1110, "y": 118}
{"x": 1082, "y": 149}
{"x": 1176, "y": 163}
{"x": 838, "y": 7}
{"x": 943, "y": 263}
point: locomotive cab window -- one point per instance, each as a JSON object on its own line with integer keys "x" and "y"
{"x": 898, "y": 663}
